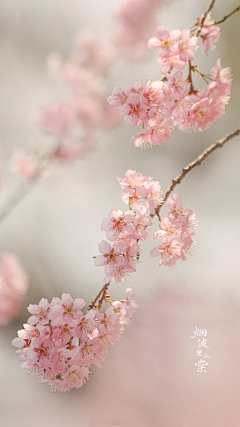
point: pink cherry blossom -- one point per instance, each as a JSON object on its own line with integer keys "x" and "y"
{"x": 187, "y": 244}
{"x": 161, "y": 131}
{"x": 176, "y": 232}
{"x": 204, "y": 113}
{"x": 143, "y": 138}
{"x": 39, "y": 313}
{"x": 210, "y": 37}
{"x": 168, "y": 230}
{"x": 169, "y": 252}
{"x": 133, "y": 188}
{"x": 186, "y": 45}
{"x": 141, "y": 222}
{"x": 119, "y": 96}
{"x": 111, "y": 257}
{"x": 170, "y": 62}
{"x": 116, "y": 223}
{"x": 136, "y": 188}
{"x": 176, "y": 81}
{"x": 177, "y": 210}
{"x": 62, "y": 350}
{"x": 165, "y": 41}
{"x": 134, "y": 110}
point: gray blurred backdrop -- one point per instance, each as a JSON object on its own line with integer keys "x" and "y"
{"x": 149, "y": 378}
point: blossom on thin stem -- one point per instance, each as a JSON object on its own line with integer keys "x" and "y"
{"x": 176, "y": 233}
{"x": 173, "y": 101}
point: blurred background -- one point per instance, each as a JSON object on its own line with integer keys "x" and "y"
{"x": 149, "y": 378}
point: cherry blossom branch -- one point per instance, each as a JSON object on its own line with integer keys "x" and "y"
{"x": 196, "y": 162}
{"x": 204, "y": 17}
{"x": 101, "y": 292}
{"x": 225, "y": 17}
{"x": 98, "y": 300}
{"x": 192, "y": 90}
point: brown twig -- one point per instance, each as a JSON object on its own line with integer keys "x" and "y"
{"x": 101, "y": 292}
{"x": 196, "y": 162}
{"x": 225, "y": 17}
{"x": 192, "y": 90}
{"x": 204, "y": 17}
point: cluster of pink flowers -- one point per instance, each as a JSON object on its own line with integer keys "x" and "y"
{"x": 174, "y": 48}
{"x": 13, "y": 285}
{"x": 71, "y": 123}
{"x": 176, "y": 233}
{"x": 126, "y": 229}
{"x": 86, "y": 73}
{"x": 60, "y": 342}
{"x": 173, "y": 101}
{"x": 136, "y": 188}
{"x": 35, "y": 165}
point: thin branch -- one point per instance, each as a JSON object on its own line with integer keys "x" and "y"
{"x": 101, "y": 292}
{"x": 225, "y": 17}
{"x": 204, "y": 17}
{"x": 192, "y": 90}
{"x": 196, "y": 162}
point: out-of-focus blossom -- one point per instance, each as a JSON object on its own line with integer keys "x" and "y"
{"x": 57, "y": 119}
{"x": 68, "y": 152}
{"x": 94, "y": 52}
{"x": 25, "y": 165}
{"x": 13, "y": 285}
{"x": 137, "y": 19}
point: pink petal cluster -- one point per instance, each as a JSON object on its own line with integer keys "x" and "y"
{"x": 85, "y": 72}
{"x": 211, "y": 35}
{"x": 13, "y": 285}
{"x": 160, "y": 105}
{"x": 176, "y": 233}
{"x": 173, "y": 102}
{"x": 125, "y": 230}
{"x": 174, "y": 48}
{"x": 136, "y": 188}
{"x": 60, "y": 343}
